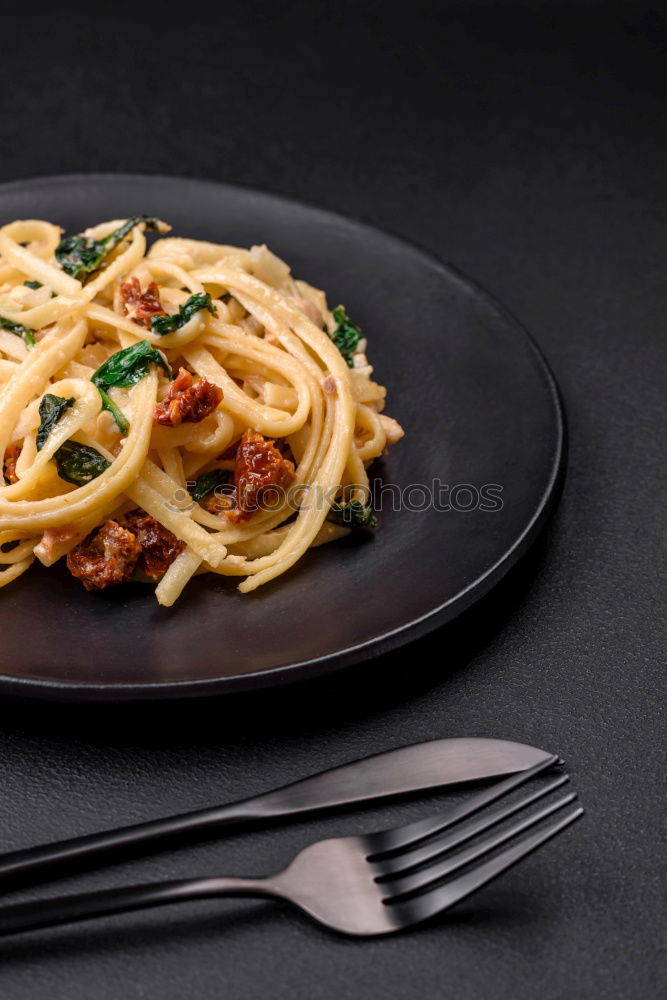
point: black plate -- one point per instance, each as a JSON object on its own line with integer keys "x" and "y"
{"x": 479, "y": 406}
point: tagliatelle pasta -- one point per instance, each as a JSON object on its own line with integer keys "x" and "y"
{"x": 191, "y": 408}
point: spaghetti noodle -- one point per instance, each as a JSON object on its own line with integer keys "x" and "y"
{"x": 184, "y": 409}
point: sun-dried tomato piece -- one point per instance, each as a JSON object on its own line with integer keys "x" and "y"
{"x": 11, "y": 458}
{"x": 187, "y": 401}
{"x": 159, "y": 546}
{"x": 112, "y": 552}
{"x": 105, "y": 557}
{"x": 259, "y": 470}
{"x": 141, "y": 306}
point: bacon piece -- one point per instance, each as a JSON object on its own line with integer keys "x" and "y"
{"x": 259, "y": 466}
{"x": 187, "y": 401}
{"x": 105, "y": 557}
{"x": 308, "y": 308}
{"x": 159, "y": 546}
{"x": 11, "y": 458}
{"x": 48, "y": 549}
{"x": 141, "y": 306}
{"x": 215, "y": 504}
{"x": 392, "y": 429}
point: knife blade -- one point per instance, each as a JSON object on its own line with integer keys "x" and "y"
{"x": 421, "y": 766}
{"x": 414, "y": 768}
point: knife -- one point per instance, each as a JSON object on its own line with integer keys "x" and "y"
{"x": 434, "y": 764}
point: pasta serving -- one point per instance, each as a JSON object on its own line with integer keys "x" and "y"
{"x": 183, "y": 409}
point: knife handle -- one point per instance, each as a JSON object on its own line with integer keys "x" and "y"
{"x": 60, "y": 858}
{"x": 17, "y": 868}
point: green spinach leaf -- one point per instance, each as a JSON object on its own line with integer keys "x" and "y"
{"x": 346, "y": 336}
{"x": 170, "y": 323}
{"x": 353, "y": 514}
{"x": 126, "y": 368}
{"x": 79, "y": 464}
{"x": 79, "y": 256}
{"x": 26, "y": 334}
{"x": 51, "y": 409}
{"x": 207, "y": 483}
{"x": 35, "y": 285}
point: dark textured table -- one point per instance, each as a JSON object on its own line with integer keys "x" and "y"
{"x": 525, "y": 142}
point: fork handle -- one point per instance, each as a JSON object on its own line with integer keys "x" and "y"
{"x": 86, "y": 906}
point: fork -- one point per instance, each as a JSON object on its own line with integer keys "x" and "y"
{"x": 371, "y": 884}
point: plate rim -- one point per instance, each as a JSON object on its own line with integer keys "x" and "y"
{"x": 44, "y": 689}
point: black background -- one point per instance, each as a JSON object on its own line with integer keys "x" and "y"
{"x": 526, "y": 143}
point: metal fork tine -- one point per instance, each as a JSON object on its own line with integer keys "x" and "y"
{"x": 411, "y": 911}
{"x": 388, "y": 841}
{"x": 399, "y": 864}
{"x": 450, "y": 864}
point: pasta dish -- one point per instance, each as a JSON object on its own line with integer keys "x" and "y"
{"x": 175, "y": 410}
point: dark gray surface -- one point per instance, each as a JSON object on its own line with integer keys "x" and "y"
{"x": 525, "y": 142}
